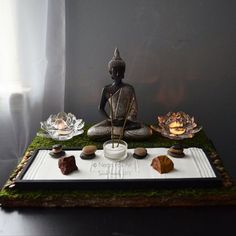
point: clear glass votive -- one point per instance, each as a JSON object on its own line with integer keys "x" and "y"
{"x": 115, "y": 150}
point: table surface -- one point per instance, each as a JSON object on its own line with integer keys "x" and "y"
{"x": 118, "y": 221}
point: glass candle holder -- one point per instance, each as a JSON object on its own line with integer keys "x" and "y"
{"x": 115, "y": 149}
{"x": 177, "y": 125}
{"x": 62, "y": 126}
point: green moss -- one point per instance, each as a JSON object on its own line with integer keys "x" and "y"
{"x": 43, "y": 195}
{"x": 199, "y": 140}
{"x": 75, "y": 142}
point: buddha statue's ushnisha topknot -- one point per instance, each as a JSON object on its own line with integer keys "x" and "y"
{"x": 116, "y": 60}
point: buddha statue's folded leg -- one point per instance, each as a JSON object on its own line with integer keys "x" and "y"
{"x": 100, "y": 131}
{"x": 138, "y": 134}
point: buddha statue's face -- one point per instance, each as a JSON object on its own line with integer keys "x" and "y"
{"x": 117, "y": 72}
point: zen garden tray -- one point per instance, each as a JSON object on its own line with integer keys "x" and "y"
{"x": 193, "y": 170}
{"x": 198, "y": 179}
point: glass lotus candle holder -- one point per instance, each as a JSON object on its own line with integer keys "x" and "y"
{"x": 62, "y": 126}
{"x": 177, "y": 125}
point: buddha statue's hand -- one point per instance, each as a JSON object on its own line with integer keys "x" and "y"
{"x": 117, "y": 122}
{"x": 131, "y": 125}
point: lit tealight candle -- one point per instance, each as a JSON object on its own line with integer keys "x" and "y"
{"x": 60, "y": 124}
{"x": 177, "y": 125}
{"x": 176, "y": 128}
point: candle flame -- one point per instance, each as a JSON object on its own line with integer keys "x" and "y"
{"x": 176, "y": 128}
{"x": 60, "y": 124}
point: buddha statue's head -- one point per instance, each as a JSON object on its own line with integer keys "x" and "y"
{"x": 116, "y": 66}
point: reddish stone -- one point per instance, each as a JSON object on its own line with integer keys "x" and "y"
{"x": 67, "y": 165}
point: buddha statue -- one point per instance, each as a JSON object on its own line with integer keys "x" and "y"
{"x": 121, "y": 120}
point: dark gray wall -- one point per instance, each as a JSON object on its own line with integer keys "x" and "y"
{"x": 180, "y": 55}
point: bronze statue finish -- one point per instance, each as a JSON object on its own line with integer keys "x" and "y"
{"x": 123, "y": 104}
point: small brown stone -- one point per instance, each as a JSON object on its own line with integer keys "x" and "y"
{"x": 217, "y": 162}
{"x": 89, "y": 150}
{"x": 220, "y": 169}
{"x": 67, "y": 165}
{"x": 20, "y": 166}
{"x": 57, "y": 151}
{"x": 18, "y": 174}
{"x": 12, "y": 186}
{"x": 176, "y": 151}
{"x": 162, "y": 164}
{"x": 214, "y": 156}
{"x": 140, "y": 152}
{"x": 24, "y": 161}
{"x": 87, "y": 157}
{"x": 58, "y": 154}
{"x": 224, "y": 175}
{"x": 56, "y": 148}
{"x": 29, "y": 154}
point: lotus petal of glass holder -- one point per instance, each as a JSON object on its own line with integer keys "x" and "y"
{"x": 62, "y": 126}
{"x": 177, "y": 126}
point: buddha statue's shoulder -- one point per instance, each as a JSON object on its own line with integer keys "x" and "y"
{"x": 108, "y": 86}
{"x": 124, "y": 86}
{"x": 128, "y": 87}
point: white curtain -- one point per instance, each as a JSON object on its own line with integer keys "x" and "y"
{"x": 32, "y": 69}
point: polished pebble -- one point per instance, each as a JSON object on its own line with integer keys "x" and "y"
{"x": 56, "y": 148}
{"x": 89, "y": 150}
{"x": 140, "y": 151}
